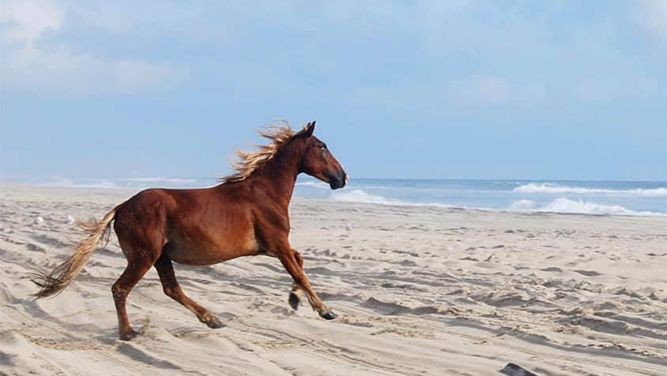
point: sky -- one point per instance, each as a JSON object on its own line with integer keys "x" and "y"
{"x": 400, "y": 89}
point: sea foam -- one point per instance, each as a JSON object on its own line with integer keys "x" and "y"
{"x": 565, "y": 205}
{"x": 361, "y": 196}
{"x": 358, "y": 195}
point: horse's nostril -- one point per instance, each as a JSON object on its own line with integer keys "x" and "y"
{"x": 337, "y": 180}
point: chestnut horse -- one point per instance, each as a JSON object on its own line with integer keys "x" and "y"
{"x": 246, "y": 215}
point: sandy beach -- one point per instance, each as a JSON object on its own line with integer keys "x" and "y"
{"x": 419, "y": 291}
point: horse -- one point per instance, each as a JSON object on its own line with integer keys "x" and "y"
{"x": 245, "y": 215}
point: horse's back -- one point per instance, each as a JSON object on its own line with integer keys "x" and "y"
{"x": 161, "y": 206}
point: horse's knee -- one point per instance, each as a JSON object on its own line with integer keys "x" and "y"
{"x": 299, "y": 279}
{"x": 299, "y": 258}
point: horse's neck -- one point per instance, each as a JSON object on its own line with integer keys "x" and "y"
{"x": 278, "y": 177}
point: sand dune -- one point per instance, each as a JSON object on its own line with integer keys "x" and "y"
{"x": 418, "y": 290}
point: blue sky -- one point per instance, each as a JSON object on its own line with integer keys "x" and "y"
{"x": 423, "y": 89}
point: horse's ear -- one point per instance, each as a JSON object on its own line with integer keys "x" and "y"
{"x": 308, "y": 130}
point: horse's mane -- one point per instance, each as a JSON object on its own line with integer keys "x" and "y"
{"x": 249, "y": 162}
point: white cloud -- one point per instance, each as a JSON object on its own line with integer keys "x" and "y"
{"x": 65, "y": 72}
{"x": 25, "y": 21}
{"x": 31, "y": 63}
{"x": 150, "y": 18}
{"x": 653, "y": 15}
{"x": 526, "y": 50}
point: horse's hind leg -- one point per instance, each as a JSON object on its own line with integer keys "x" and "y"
{"x": 173, "y": 290}
{"x": 135, "y": 270}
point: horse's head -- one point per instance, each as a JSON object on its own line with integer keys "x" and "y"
{"x": 317, "y": 160}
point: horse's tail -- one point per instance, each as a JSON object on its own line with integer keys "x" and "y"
{"x": 55, "y": 282}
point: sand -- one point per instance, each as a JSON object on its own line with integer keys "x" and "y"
{"x": 419, "y": 290}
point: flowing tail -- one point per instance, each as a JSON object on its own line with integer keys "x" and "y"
{"x": 55, "y": 282}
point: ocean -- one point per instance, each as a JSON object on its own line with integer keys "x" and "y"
{"x": 584, "y": 197}
{"x": 639, "y": 198}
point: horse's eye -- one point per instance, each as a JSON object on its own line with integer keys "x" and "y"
{"x": 323, "y": 148}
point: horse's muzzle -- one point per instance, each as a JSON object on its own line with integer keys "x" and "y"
{"x": 338, "y": 180}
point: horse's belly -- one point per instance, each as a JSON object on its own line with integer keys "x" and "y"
{"x": 203, "y": 257}
{"x": 207, "y": 253}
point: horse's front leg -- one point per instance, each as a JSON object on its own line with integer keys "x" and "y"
{"x": 293, "y": 262}
{"x": 296, "y": 293}
{"x": 294, "y": 298}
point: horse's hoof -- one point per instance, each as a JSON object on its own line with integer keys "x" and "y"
{"x": 328, "y": 315}
{"x": 293, "y": 301}
{"x": 127, "y": 335}
{"x": 214, "y": 323}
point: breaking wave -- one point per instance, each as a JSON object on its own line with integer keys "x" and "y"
{"x": 555, "y": 189}
{"x": 358, "y": 195}
{"x": 122, "y": 183}
{"x": 314, "y": 184}
{"x": 69, "y": 183}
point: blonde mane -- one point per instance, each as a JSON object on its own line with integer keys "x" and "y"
{"x": 248, "y": 163}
